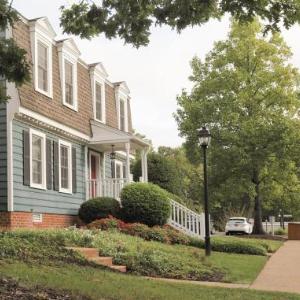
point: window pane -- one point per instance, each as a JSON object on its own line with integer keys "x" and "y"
{"x": 37, "y": 159}
{"x": 68, "y": 83}
{"x": 98, "y": 102}
{"x": 64, "y": 167}
{"x": 42, "y": 67}
{"x": 122, "y": 115}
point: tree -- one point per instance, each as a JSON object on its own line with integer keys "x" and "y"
{"x": 248, "y": 95}
{"x": 13, "y": 64}
{"x": 131, "y": 20}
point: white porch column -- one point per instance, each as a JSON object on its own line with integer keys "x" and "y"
{"x": 144, "y": 165}
{"x": 127, "y": 148}
{"x": 86, "y": 166}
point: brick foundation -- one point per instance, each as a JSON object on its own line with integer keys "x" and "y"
{"x": 12, "y": 220}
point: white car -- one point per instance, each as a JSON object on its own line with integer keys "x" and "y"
{"x": 238, "y": 225}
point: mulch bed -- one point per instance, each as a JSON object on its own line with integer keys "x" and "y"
{"x": 12, "y": 290}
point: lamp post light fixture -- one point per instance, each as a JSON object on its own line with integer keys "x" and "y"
{"x": 204, "y": 140}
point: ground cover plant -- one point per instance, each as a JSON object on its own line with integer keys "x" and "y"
{"x": 141, "y": 257}
{"x": 168, "y": 235}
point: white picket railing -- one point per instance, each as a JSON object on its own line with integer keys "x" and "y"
{"x": 111, "y": 187}
{"x": 186, "y": 220}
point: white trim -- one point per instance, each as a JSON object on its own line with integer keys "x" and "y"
{"x": 42, "y": 185}
{"x": 68, "y": 51}
{"x": 103, "y": 105}
{"x": 69, "y": 146}
{"x": 53, "y": 123}
{"x": 39, "y": 33}
{"x": 86, "y": 163}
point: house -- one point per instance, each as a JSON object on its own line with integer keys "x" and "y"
{"x": 65, "y": 137}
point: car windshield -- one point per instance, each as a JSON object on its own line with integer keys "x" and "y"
{"x": 236, "y": 221}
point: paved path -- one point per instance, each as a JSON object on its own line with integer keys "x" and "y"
{"x": 282, "y": 271}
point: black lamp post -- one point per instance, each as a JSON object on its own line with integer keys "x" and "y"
{"x": 204, "y": 140}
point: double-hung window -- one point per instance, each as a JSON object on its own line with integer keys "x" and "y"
{"x": 98, "y": 101}
{"x": 122, "y": 115}
{"x": 43, "y": 67}
{"x": 69, "y": 88}
{"x": 65, "y": 167}
{"x": 37, "y": 142}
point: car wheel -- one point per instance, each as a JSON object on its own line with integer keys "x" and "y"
{"x": 227, "y": 233}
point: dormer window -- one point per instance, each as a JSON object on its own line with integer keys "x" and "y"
{"x": 122, "y": 115}
{"x": 68, "y": 59}
{"x": 98, "y": 102}
{"x": 42, "y": 35}
{"x": 98, "y": 76}
{"x": 69, "y": 97}
{"x": 43, "y": 64}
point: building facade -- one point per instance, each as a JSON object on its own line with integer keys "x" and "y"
{"x": 66, "y": 136}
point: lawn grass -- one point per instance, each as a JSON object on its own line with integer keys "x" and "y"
{"x": 101, "y": 284}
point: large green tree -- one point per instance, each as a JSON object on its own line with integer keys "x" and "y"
{"x": 13, "y": 64}
{"x": 248, "y": 94}
{"x": 131, "y": 20}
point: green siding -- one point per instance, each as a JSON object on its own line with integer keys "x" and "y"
{"x": 49, "y": 201}
{"x": 3, "y": 158}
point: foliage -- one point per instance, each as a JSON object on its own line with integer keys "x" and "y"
{"x": 145, "y": 203}
{"x": 132, "y": 20}
{"x": 13, "y": 64}
{"x": 248, "y": 95}
{"x": 98, "y": 208}
{"x": 161, "y": 171}
{"x": 31, "y": 247}
{"x": 280, "y": 231}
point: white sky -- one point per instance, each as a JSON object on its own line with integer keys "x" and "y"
{"x": 155, "y": 74}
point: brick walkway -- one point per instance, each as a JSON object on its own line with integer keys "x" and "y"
{"x": 282, "y": 271}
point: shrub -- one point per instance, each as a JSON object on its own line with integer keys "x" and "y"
{"x": 145, "y": 203}
{"x": 106, "y": 224}
{"x": 231, "y": 245}
{"x": 99, "y": 208}
{"x": 280, "y": 231}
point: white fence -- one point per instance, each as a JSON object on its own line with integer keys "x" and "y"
{"x": 107, "y": 187}
{"x": 186, "y": 220}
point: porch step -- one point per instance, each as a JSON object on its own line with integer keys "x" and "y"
{"x": 92, "y": 254}
{"x": 86, "y": 252}
{"x": 102, "y": 260}
{"x": 121, "y": 269}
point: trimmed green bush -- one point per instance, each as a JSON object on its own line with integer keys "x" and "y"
{"x": 98, "y": 208}
{"x": 145, "y": 203}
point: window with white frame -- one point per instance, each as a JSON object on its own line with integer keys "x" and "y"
{"x": 42, "y": 35}
{"x": 65, "y": 167}
{"x": 37, "y": 142}
{"x": 123, "y": 115}
{"x": 43, "y": 67}
{"x": 99, "y": 101}
{"x": 119, "y": 169}
{"x": 69, "y": 88}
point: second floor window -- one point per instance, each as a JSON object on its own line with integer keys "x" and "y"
{"x": 98, "y": 102}
{"x": 69, "y": 99}
{"x": 42, "y": 67}
{"x": 122, "y": 115}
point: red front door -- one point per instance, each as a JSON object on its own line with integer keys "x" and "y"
{"x": 94, "y": 177}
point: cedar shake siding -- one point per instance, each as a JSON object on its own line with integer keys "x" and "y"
{"x": 28, "y": 199}
{"x": 3, "y": 158}
{"x": 53, "y": 107}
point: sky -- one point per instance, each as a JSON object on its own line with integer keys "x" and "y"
{"x": 155, "y": 74}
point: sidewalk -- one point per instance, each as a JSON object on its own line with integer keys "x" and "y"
{"x": 282, "y": 271}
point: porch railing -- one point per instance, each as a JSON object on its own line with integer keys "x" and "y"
{"x": 111, "y": 187}
{"x": 186, "y": 220}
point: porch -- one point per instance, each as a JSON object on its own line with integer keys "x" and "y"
{"x": 109, "y": 155}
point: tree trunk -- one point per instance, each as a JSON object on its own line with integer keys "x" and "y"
{"x": 258, "y": 225}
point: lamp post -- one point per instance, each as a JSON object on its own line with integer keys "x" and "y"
{"x": 204, "y": 140}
